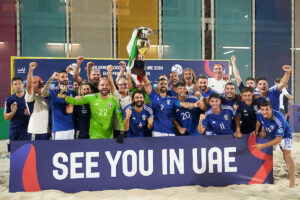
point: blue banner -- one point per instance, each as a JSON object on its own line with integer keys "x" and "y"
{"x": 154, "y": 68}
{"x": 147, "y": 163}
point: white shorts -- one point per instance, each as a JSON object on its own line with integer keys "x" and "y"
{"x": 63, "y": 135}
{"x": 285, "y": 144}
{"x": 159, "y": 134}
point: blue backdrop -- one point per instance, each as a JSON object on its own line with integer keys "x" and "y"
{"x": 148, "y": 163}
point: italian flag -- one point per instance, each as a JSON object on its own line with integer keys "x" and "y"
{"x": 132, "y": 52}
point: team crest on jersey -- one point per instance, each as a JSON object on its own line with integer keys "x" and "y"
{"x": 168, "y": 102}
{"x": 255, "y": 108}
{"x": 226, "y": 117}
{"x": 143, "y": 117}
{"x": 110, "y": 105}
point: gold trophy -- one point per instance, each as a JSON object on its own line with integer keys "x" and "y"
{"x": 143, "y": 45}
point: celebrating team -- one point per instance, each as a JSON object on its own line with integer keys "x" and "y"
{"x": 100, "y": 109}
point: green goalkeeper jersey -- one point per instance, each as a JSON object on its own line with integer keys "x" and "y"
{"x": 102, "y": 110}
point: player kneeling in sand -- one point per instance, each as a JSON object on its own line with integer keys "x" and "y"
{"x": 276, "y": 128}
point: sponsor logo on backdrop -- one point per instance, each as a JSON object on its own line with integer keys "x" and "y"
{"x": 21, "y": 70}
{"x": 177, "y": 68}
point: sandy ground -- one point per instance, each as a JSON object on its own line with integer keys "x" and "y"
{"x": 277, "y": 191}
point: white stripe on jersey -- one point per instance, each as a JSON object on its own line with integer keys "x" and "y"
{"x": 5, "y": 103}
{"x": 209, "y": 112}
{"x": 147, "y": 108}
{"x": 227, "y": 107}
{"x": 192, "y": 97}
{"x": 278, "y": 122}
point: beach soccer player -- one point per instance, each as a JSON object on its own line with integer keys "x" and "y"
{"x": 278, "y": 130}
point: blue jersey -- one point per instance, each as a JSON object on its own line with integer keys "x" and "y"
{"x": 208, "y": 93}
{"x": 82, "y": 115}
{"x": 60, "y": 120}
{"x": 218, "y": 124}
{"x": 277, "y": 126}
{"x": 247, "y": 116}
{"x": 230, "y": 103}
{"x": 163, "y": 111}
{"x": 227, "y": 102}
{"x": 171, "y": 92}
{"x": 19, "y": 123}
{"x": 138, "y": 121}
{"x": 273, "y": 97}
{"x": 189, "y": 118}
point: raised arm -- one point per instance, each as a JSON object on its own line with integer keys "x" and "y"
{"x": 236, "y": 72}
{"x": 148, "y": 86}
{"x": 88, "y": 69}
{"x": 122, "y": 70}
{"x": 110, "y": 78}
{"x": 32, "y": 66}
{"x": 77, "y": 78}
{"x": 285, "y": 79}
{"x": 129, "y": 80}
{"x": 201, "y": 128}
{"x": 45, "y": 90}
{"x": 127, "y": 119}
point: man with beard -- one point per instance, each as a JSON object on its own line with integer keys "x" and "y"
{"x": 187, "y": 119}
{"x": 164, "y": 108}
{"x": 39, "y": 118}
{"x": 173, "y": 79}
{"x": 189, "y": 79}
{"x": 229, "y": 97}
{"x": 205, "y": 91}
{"x": 278, "y": 130}
{"x": 103, "y": 105}
{"x": 62, "y": 126}
{"x": 82, "y": 113}
{"x": 273, "y": 94}
{"x": 92, "y": 74}
{"x": 246, "y": 112}
{"x": 250, "y": 82}
{"x": 138, "y": 118}
{"x": 16, "y": 111}
{"x": 140, "y": 86}
{"x": 217, "y": 83}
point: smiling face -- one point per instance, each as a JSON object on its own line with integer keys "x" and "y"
{"x": 181, "y": 91}
{"x": 266, "y": 112}
{"x": 218, "y": 70}
{"x": 174, "y": 79}
{"x": 250, "y": 83}
{"x": 95, "y": 76}
{"x": 138, "y": 100}
{"x": 162, "y": 86}
{"x": 215, "y": 103}
{"x": 85, "y": 89}
{"x": 202, "y": 82}
{"x": 247, "y": 97}
{"x": 262, "y": 86}
{"x": 122, "y": 85}
{"x": 104, "y": 86}
{"x": 188, "y": 77}
{"x": 63, "y": 78}
{"x": 230, "y": 91}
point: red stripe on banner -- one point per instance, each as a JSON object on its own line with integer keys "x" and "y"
{"x": 29, "y": 175}
{"x": 207, "y": 69}
{"x": 266, "y": 167}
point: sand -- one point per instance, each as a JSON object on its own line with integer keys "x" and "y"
{"x": 277, "y": 191}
